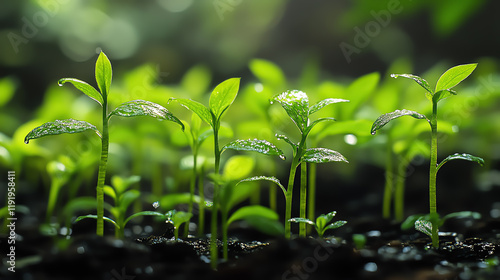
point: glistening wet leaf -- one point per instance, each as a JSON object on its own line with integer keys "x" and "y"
{"x": 386, "y": 118}
{"x": 260, "y": 146}
{"x": 145, "y": 108}
{"x": 60, "y": 127}
{"x": 296, "y": 105}
{"x": 320, "y": 155}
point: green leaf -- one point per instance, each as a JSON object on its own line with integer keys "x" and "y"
{"x": 127, "y": 198}
{"x": 252, "y": 211}
{"x": 265, "y": 225}
{"x": 296, "y": 105}
{"x": 302, "y": 220}
{"x": 238, "y": 167}
{"x": 423, "y": 83}
{"x": 143, "y": 213}
{"x": 223, "y": 96}
{"x": 177, "y": 218}
{"x": 462, "y": 214}
{"x": 79, "y": 218}
{"x": 358, "y": 92}
{"x": 323, "y": 219}
{"x": 454, "y": 76}
{"x": 145, "y": 108}
{"x": 170, "y": 201}
{"x": 410, "y": 221}
{"x": 265, "y": 178}
{"x": 318, "y": 106}
{"x": 109, "y": 191}
{"x": 196, "y": 80}
{"x": 385, "y": 118}
{"x": 442, "y": 94}
{"x": 260, "y": 146}
{"x": 78, "y": 204}
{"x": 103, "y": 74}
{"x": 121, "y": 184}
{"x": 267, "y": 72}
{"x": 197, "y": 108}
{"x": 7, "y": 88}
{"x": 286, "y": 139}
{"x": 468, "y": 157}
{"x": 321, "y": 155}
{"x": 335, "y": 225}
{"x": 89, "y": 90}
{"x": 424, "y": 226}
{"x": 60, "y": 127}
{"x": 314, "y": 123}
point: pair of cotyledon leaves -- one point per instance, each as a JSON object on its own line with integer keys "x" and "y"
{"x": 296, "y": 105}
{"x": 103, "y": 74}
{"x": 322, "y": 223}
{"x": 446, "y": 82}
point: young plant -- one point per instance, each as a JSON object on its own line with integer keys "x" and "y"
{"x": 60, "y": 172}
{"x": 443, "y": 89}
{"x": 221, "y": 98}
{"x": 122, "y": 198}
{"x": 296, "y": 105}
{"x": 177, "y": 218}
{"x": 232, "y": 193}
{"x": 103, "y": 74}
{"x": 423, "y": 223}
{"x": 195, "y": 139}
{"x": 322, "y": 223}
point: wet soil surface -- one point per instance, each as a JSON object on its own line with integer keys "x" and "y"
{"x": 388, "y": 253}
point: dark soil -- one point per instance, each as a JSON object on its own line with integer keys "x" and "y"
{"x": 388, "y": 253}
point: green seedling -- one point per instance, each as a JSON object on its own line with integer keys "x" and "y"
{"x": 359, "y": 240}
{"x": 122, "y": 198}
{"x": 60, "y": 172}
{"x": 177, "y": 218}
{"x": 443, "y": 89}
{"x": 196, "y": 138}
{"x": 296, "y": 105}
{"x": 424, "y": 223}
{"x": 232, "y": 193}
{"x": 103, "y": 74}
{"x": 220, "y": 100}
{"x": 322, "y": 223}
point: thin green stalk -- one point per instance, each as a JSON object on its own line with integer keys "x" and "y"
{"x": 389, "y": 180}
{"x": 201, "y": 205}
{"x": 399, "y": 192}
{"x": 102, "y": 169}
{"x": 224, "y": 233}
{"x": 311, "y": 208}
{"x": 303, "y": 197}
{"x": 157, "y": 183}
{"x": 119, "y": 233}
{"x": 432, "y": 176}
{"x": 213, "y": 236}
{"x": 54, "y": 191}
{"x": 191, "y": 190}
{"x": 289, "y": 195}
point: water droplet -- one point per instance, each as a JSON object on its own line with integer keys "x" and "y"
{"x": 374, "y": 132}
{"x": 26, "y": 141}
{"x": 282, "y": 157}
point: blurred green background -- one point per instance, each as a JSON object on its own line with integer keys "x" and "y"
{"x": 183, "y": 48}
